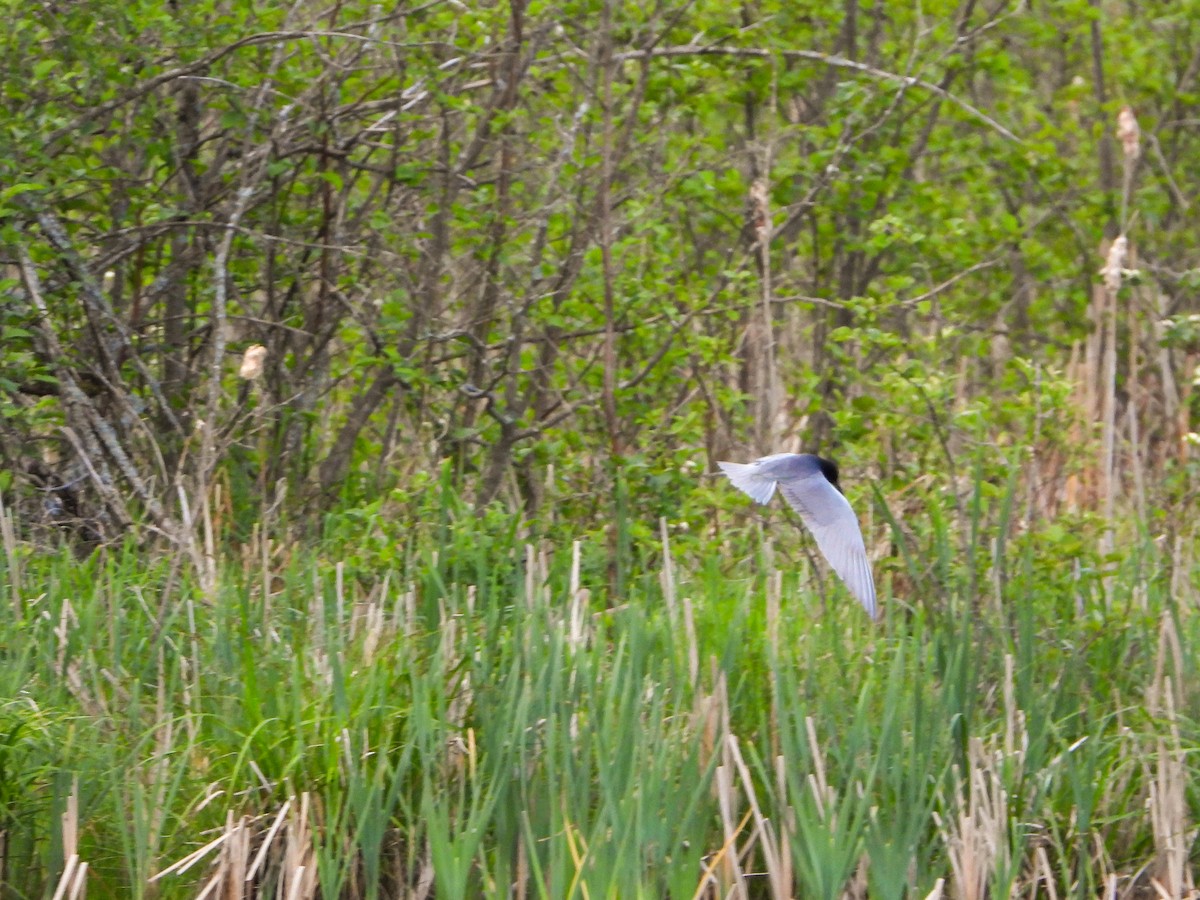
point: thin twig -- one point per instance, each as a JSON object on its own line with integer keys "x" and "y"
{"x": 829, "y": 60}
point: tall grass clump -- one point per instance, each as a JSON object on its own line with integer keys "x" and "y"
{"x": 464, "y": 708}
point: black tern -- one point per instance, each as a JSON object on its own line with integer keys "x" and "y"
{"x": 810, "y": 485}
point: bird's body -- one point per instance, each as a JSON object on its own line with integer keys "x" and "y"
{"x": 810, "y": 486}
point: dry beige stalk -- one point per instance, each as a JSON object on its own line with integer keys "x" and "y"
{"x": 787, "y": 820}
{"x": 267, "y": 841}
{"x": 299, "y": 863}
{"x": 1128, "y": 133}
{"x": 977, "y": 835}
{"x": 693, "y": 649}
{"x": 822, "y": 792}
{"x": 1045, "y": 873}
{"x": 727, "y": 802}
{"x": 772, "y": 851}
{"x": 666, "y": 577}
{"x": 710, "y": 717}
{"x": 234, "y": 859}
{"x": 424, "y": 886}
{"x": 1173, "y": 838}
{"x": 579, "y": 632}
{"x": 72, "y": 882}
{"x": 1174, "y": 833}
{"x": 709, "y": 887}
{"x": 760, "y": 210}
{"x": 858, "y": 887}
{"x": 8, "y": 535}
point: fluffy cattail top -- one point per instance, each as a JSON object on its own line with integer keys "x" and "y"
{"x": 252, "y": 362}
{"x": 1128, "y": 133}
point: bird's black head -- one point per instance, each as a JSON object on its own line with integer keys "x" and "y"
{"x": 830, "y": 470}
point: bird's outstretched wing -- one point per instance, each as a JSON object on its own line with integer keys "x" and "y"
{"x": 832, "y": 522}
{"x": 748, "y": 478}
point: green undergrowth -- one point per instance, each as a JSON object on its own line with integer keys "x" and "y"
{"x": 481, "y": 715}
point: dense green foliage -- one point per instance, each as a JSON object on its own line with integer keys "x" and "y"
{"x": 520, "y": 275}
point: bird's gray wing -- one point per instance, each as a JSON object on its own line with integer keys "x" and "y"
{"x": 832, "y": 522}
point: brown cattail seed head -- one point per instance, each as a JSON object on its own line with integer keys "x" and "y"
{"x": 1114, "y": 266}
{"x": 760, "y": 212}
{"x": 1128, "y": 133}
{"x": 252, "y": 362}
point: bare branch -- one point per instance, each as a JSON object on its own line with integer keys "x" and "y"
{"x": 827, "y": 59}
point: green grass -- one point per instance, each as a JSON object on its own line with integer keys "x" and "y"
{"x": 449, "y": 707}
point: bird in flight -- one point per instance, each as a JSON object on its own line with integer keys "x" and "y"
{"x": 810, "y": 485}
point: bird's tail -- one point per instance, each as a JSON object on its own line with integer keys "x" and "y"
{"x": 748, "y": 478}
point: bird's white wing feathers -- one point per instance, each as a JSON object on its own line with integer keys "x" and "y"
{"x": 748, "y": 477}
{"x": 832, "y": 522}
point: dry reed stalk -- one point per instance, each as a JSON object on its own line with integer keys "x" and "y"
{"x": 1166, "y": 372}
{"x": 771, "y": 850}
{"x": 1173, "y": 838}
{"x": 1112, "y": 282}
{"x": 405, "y": 614}
{"x": 210, "y": 889}
{"x": 1102, "y": 862}
{"x": 763, "y": 383}
{"x": 72, "y": 882}
{"x": 1173, "y": 833}
{"x": 1181, "y": 586}
{"x": 424, "y": 885}
{"x": 709, "y": 886}
{"x": 521, "y": 880}
{"x": 818, "y": 783}
{"x": 1016, "y": 734}
{"x": 731, "y": 870}
{"x": 976, "y": 836}
{"x": 858, "y": 886}
{"x": 1140, "y": 401}
{"x": 774, "y": 601}
{"x": 265, "y": 847}
{"x": 537, "y": 594}
{"x": 666, "y": 577}
{"x": 374, "y": 627}
{"x": 299, "y": 872}
{"x": 1077, "y": 484}
{"x": 235, "y": 858}
{"x": 1128, "y": 134}
{"x": 693, "y": 649}
{"x": 579, "y": 623}
{"x": 339, "y": 594}
{"x": 181, "y": 866}
{"x": 1044, "y": 873}
{"x": 8, "y": 535}
{"x": 787, "y": 822}
{"x": 1168, "y": 666}
{"x": 62, "y": 632}
{"x": 79, "y": 887}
